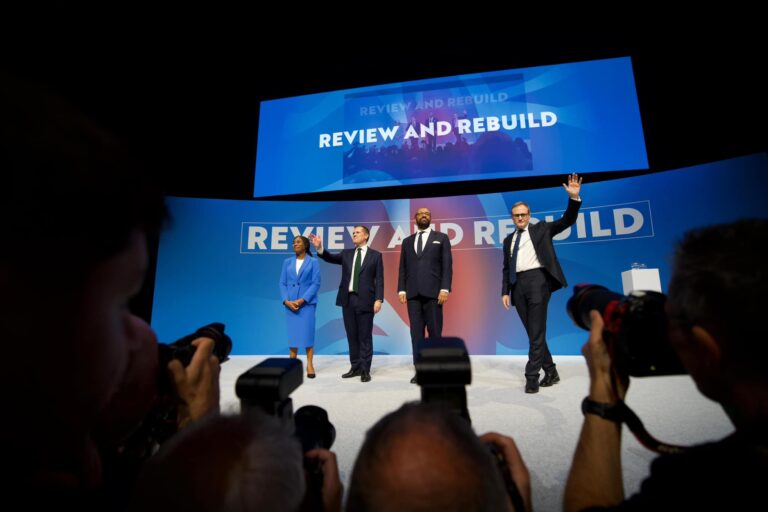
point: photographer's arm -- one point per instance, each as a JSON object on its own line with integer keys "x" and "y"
{"x": 197, "y": 385}
{"x": 333, "y": 489}
{"x": 517, "y": 468}
{"x": 595, "y": 478}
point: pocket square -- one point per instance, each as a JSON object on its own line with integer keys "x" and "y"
{"x": 435, "y": 242}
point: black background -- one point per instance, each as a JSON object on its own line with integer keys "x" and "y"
{"x": 189, "y": 104}
{"x": 187, "y": 101}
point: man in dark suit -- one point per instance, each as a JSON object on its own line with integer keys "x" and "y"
{"x": 530, "y": 274}
{"x": 361, "y": 293}
{"x": 426, "y": 270}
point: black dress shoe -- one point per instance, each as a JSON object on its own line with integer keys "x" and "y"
{"x": 413, "y": 380}
{"x": 365, "y": 376}
{"x": 531, "y": 384}
{"x": 351, "y": 373}
{"x": 550, "y": 378}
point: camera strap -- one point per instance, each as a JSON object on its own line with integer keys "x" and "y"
{"x": 620, "y": 412}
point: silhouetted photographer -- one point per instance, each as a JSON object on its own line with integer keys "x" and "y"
{"x": 425, "y": 456}
{"x": 266, "y": 388}
{"x": 713, "y": 322}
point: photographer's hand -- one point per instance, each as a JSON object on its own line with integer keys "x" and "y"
{"x": 517, "y": 467}
{"x": 197, "y": 385}
{"x": 604, "y": 388}
{"x": 595, "y": 476}
{"x": 333, "y": 489}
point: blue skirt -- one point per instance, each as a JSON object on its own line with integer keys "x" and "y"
{"x": 301, "y": 326}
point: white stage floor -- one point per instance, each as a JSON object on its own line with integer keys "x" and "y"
{"x": 545, "y": 425}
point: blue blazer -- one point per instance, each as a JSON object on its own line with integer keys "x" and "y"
{"x": 305, "y": 285}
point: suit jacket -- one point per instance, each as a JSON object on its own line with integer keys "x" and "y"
{"x": 371, "y": 285}
{"x": 541, "y": 236}
{"x": 303, "y": 285}
{"x": 429, "y": 273}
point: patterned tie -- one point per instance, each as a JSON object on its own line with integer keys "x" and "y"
{"x": 420, "y": 244}
{"x": 513, "y": 259}
{"x": 356, "y": 271}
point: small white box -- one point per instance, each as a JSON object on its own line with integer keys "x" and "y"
{"x": 641, "y": 279}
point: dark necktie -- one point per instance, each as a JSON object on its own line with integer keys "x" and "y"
{"x": 420, "y": 243}
{"x": 513, "y": 259}
{"x": 356, "y": 271}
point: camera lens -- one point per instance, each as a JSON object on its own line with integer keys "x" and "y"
{"x": 313, "y": 428}
{"x": 587, "y": 297}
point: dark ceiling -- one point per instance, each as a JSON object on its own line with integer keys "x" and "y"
{"x": 190, "y": 106}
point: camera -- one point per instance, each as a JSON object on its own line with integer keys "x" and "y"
{"x": 267, "y": 387}
{"x": 161, "y": 423}
{"x": 635, "y": 329}
{"x": 442, "y": 371}
{"x": 183, "y": 350}
{"x": 121, "y": 465}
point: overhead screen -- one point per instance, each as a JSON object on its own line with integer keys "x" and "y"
{"x": 221, "y": 260}
{"x": 581, "y": 117}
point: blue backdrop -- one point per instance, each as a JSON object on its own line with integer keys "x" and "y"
{"x": 523, "y": 122}
{"x": 221, "y": 260}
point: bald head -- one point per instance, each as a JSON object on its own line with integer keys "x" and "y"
{"x": 424, "y": 457}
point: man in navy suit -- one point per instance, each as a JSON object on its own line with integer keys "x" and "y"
{"x": 530, "y": 274}
{"x": 361, "y": 293}
{"x": 426, "y": 270}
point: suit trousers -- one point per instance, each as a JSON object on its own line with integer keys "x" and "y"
{"x": 424, "y": 311}
{"x": 359, "y": 326}
{"x": 530, "y": 295}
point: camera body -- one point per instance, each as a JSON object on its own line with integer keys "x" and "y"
{"x": 183, "y": 350}
{"x": 442, "y": 371}
{"x": 635, "y": 329}
{"x": 267, "y": 387}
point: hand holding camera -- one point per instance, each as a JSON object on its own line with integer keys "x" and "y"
{"x": 197, "y": 385}
{"x": 627, "y": 337}
{"x": 513, "y": 469}
{"x": 602, "y": 388}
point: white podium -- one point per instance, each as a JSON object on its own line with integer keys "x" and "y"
{"x": 641, "y": 279}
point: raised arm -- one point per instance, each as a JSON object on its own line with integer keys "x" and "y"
{"x": 573, "y": 187}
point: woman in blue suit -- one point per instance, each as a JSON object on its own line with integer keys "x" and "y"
{"x": 299, "y": 284}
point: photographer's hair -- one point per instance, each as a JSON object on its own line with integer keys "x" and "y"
{"x": 425, "y": 457}
{"x": 226, "y": 463}
{"x": 719, "y": 282}
{"x": 73, "y": 194}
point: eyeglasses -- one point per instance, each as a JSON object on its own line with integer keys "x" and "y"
{"x": 520, "y": 215}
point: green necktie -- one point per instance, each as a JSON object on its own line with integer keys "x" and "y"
{"x": 356, "y": 271}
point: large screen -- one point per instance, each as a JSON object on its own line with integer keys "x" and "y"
{"x": 555, "y": 119}
{"x": 221, "y": 260}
